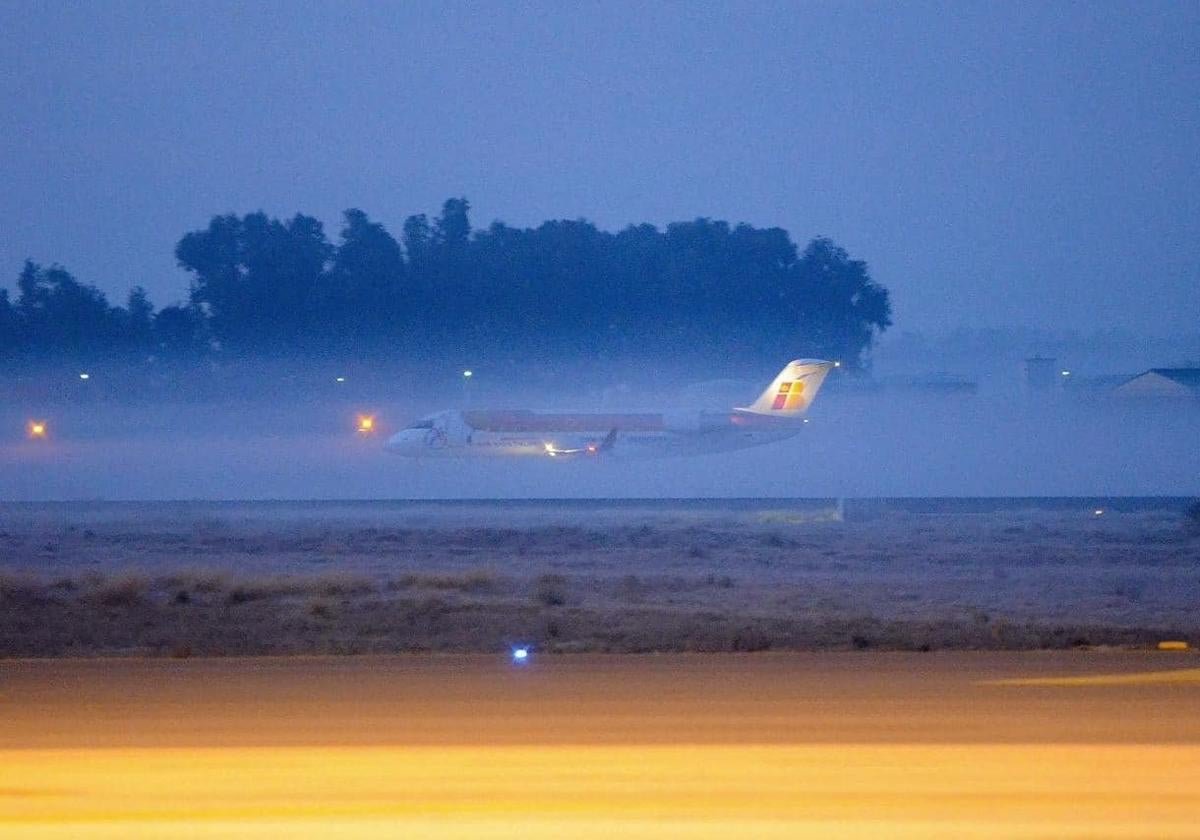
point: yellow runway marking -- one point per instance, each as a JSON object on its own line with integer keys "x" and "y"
{"x": 1177, "y": 677}
{"x": 592, "y": 791}
{"x": 1176, "y": 645}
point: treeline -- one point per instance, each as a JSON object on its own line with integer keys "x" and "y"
{"x": 264, "y": 286}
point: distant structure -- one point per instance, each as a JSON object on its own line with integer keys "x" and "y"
{"x": 1162, "y": 382}
{"x": 1042, "y": 373}
{"x": 945, "y": 384}
{"x": 932, "y": 384}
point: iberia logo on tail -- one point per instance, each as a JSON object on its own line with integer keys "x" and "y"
{"x": 788, "y": 398}
{"x": 793, "y": 389}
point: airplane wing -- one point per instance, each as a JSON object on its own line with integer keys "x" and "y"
{"x": 591, "y": 449}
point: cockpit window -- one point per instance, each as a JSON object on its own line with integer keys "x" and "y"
{"x": 424, "y": 424}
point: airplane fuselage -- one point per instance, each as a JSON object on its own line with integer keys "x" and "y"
{"x": 777, "y": 414}
{"x": 527, "y": 433}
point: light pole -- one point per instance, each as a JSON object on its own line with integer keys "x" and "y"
{"x": 466, "y": 377}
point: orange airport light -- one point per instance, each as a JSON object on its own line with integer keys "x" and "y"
{"x": 366, "y": 424}
{"x": 37, "y": 429}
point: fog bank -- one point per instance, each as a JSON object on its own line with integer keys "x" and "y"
{"x": 888, "y": 442}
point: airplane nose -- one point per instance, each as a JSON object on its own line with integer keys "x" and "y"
{"x": 395, "y": 443}
{"x": 402, "y": 443}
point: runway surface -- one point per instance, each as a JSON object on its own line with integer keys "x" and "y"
{"x": 1078, "y": 744}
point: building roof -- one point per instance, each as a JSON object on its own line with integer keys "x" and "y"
{"x": 1189, "y": 377}
{"x": 1185, "y": 377}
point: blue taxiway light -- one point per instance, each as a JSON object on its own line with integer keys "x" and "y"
{"x": 520, "y": 655}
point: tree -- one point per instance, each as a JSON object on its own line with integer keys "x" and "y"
{"x": 139, "y": 320}
{"x": 214, "y": 257}
{"x": 361, "y": 293}
{"x": 10, "y": 337}
{"x": 265, "y": 285}
{"x": 179, "y": 330}
{"x": 452, "y": 229}
{"x": 448, "y": 279}
{"x": 60, "y": 314}
{"x": 841, "y": 306}
{"x": 418, "y": 239}
{"x": 255, "y": 277}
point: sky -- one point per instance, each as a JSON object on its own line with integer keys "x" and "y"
{"x": 998, "y": 164}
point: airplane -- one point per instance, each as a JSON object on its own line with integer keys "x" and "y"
{"x": 776, "y": 415}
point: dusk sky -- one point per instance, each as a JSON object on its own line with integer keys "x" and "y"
{"x": 999, "y": 164}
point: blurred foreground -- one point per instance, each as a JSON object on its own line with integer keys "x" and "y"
{"x": 859, "y": 744}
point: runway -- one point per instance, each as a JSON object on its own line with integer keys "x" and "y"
{"x": 1076, "y": 744}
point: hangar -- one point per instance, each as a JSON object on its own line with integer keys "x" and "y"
{"x": 1162, "y": 382}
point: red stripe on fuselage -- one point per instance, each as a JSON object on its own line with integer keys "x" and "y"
{"x": 528, "y": 421}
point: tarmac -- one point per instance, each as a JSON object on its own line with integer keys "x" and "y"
{"x": 1062, "y": 744}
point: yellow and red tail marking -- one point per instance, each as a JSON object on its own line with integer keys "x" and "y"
{"x": 789, "y": 396}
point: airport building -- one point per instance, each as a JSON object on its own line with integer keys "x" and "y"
{"x": 1162, "y": 382}
{"x": 1041, "y": 374}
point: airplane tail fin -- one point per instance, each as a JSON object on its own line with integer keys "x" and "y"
{"x": 793, "y": 390}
